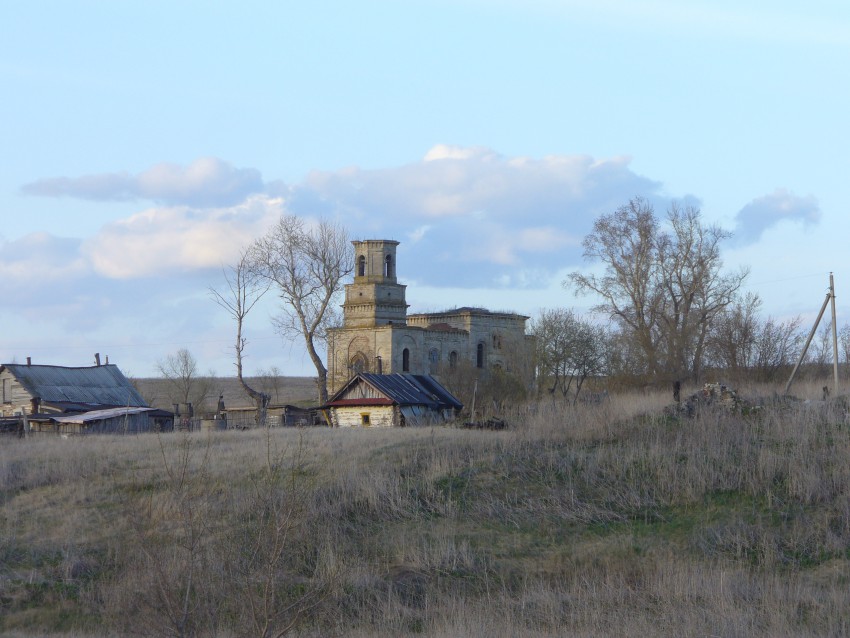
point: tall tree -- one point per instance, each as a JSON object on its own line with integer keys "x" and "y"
{"x": 663, "y": 286}
{"x": 243, "y": 289}
{"x": 306, "y": 265}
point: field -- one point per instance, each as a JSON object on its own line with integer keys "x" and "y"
{"x": 600, "y": 520}
{"x": 282, "y": 390}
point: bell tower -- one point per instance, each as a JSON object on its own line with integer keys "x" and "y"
{"x": 375, "y": 298}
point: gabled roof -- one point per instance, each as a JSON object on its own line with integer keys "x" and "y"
{"x": 93, "y": 386}
{"x": 399, "y": 389}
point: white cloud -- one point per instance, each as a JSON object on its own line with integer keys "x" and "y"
{"x": 207, "y": 181}
{"x": 159, "y": 241}
{"x": 446, "y": 151}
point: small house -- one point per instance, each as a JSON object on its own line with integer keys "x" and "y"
{"x": 54, "y": 398}
{"x": 387, "y": 400}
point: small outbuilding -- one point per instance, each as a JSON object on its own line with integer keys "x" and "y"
{"x": 386, "y": 400}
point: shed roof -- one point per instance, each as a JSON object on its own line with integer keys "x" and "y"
{"x": 400, "y": 389}
{"x": 101, "y": 415}
{"x": 96, "y": 385}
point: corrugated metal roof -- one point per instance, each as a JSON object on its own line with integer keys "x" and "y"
{"x": 405, "y": 389}
{"x": 97, "y": 385}
{"x": 101, "y": 415}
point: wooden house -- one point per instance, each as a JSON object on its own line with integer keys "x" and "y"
{"x": 386, "y": 400}
{"x": 35, "y": 389}
{"x": 90, "y": 399}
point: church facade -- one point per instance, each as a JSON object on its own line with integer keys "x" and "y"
{"x": 379, "y": 336}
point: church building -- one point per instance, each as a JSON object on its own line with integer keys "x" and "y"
{"x": 378, "y": 336}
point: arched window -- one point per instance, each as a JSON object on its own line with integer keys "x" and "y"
{"x": 361, "y": 266}
{"x": 479, "y": 356}
{"x": 405, "y": 360}
{"x": 388, "y": 266}
{"x": 453, "y": 359}
{"x": 433, "y": 360}
{"x": 359, "y": 364}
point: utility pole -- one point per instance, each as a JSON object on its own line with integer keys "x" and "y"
{"x": 834, "y": 337}
{"x": 830, "y": 297}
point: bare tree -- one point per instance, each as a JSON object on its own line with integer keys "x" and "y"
{"x": 844, "y": 344}
{"x": 663, "y": 287}
{"x": 306, "y": 265}
{"x": 778, "y": 345}
{"x": 732, "y": 340}
{"x": 244, "y": 288}
{"x": 820, "y": 351}
{"x": 569, "y": 350}
{"x": 271, "y": 381}
{"x": 744, "y": 345}
{"x": 181, "y": 371}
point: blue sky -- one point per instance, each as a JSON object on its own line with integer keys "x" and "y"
{"x": 142, "y": 144}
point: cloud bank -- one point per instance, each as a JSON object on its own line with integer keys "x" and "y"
{"x": 207, "y": 181}
{"x": 465, "y": 216}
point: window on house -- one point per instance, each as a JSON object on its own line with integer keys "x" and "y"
{"x": 364, "y": 419}
{"x": 405, "y": 360}
{"x": 453, "y": 359}
{"x": 388, "y": 266}
{"x": 479, "y": 356}
{"x": 361, "y": 266}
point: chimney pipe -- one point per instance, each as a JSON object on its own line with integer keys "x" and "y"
{"x": 29, "y": 361}
{"x": 97, "y": 358}
{"x": 107, "y": 359}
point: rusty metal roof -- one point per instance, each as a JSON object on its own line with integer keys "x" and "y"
{"x": 98, "y": 385}
{"x": 402, "y": 389}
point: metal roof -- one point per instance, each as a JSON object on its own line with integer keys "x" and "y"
{"x": 101, "y": 415}
{"x": 97, "y": 385}
{"x": 403, "y": 389}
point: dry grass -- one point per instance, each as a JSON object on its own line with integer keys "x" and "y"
{"x": 591, "y": 521}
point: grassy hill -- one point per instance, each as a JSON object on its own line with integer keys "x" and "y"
{"x": 595, "y": 520}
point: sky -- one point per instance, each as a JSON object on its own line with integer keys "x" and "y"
{"x": 144, "y": 144}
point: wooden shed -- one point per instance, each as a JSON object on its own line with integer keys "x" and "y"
{"x": 65, "y": 400}
{"x": 387, "y": 400}
{"x": 107, "y": 421}
{"x": 37, "y": 389}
